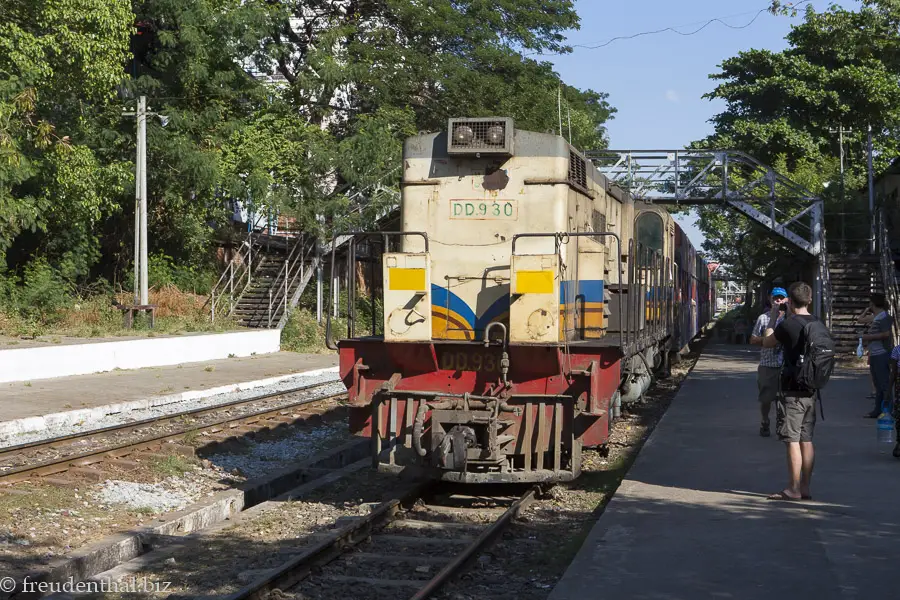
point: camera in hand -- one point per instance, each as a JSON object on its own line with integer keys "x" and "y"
{"x": 782, "y": 307}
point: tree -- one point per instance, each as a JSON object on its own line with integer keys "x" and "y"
{"x": 372, "y": 73}
{"x": 56, "y": 55}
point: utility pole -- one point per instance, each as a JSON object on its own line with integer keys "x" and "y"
{"x": 142, "y": 157}
{"x": 841, "y": 131}
{"x": 141, "y": 293}
{"x": 138, "y": 173}
{"x": 871, "y": 196}
{"x": 141, "y": 285}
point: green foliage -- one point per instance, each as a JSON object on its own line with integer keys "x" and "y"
{"x": 172, "y": 465}
{"x": 302, "y": 333}
{"x": 54, "y": 55}
{"x": 41, "y": 295}
{"x": 162, "y": 271}
{"x": 841, "y": 69}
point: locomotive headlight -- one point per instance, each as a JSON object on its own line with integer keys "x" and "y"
{"x": 495, "y": 135}
{"x": 463, "y": 134}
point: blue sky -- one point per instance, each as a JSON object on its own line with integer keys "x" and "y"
{"x": 656, "y": 81}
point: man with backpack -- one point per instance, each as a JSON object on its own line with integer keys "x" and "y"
{"x": 808, "y": 362}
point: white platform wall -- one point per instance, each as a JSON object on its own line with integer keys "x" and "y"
{"x": 46, "y": 362}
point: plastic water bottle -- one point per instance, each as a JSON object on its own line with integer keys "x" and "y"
{"x": 885, "y": 426}
{"x": 859, "y": 349}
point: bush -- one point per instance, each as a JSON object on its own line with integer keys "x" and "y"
{"x": 303, "y": 334}
{"x": 39, "y": 296}
{"x": 162, "y": 272}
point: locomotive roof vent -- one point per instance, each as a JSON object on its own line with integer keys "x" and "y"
{"x": 577, "y": 169}
{"x": 482, "y": 135}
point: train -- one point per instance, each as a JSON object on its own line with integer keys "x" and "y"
{"x": 526, "y": 299}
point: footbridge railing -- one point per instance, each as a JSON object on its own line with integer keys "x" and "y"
{"x": 731, "y": 178}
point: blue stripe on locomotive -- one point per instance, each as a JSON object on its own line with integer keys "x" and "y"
{"x": 589, "y": 290}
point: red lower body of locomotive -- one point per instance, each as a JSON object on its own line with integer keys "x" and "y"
{"x": 463, "y": 411}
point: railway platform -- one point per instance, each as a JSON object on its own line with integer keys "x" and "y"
{"x": 23, "y": 405}
{"x": 691, "y": 519}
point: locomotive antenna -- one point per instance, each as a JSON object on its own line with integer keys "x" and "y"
{"x": 559, "y": 107}
{"x": 569, "y": 111}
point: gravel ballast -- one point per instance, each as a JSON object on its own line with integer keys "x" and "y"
{"x": 42, "y": 522}
{"x": 260, "y": 458}
{"x": 171, "y": 494}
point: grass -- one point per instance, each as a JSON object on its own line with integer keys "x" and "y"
{"x": 177, "y": 312}
{"x": 171, "y": 466}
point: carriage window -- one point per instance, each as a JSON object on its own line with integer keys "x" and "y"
{"x": 649, "y": 231}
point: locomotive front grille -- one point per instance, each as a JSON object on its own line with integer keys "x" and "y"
{"x": 483, "y": 135}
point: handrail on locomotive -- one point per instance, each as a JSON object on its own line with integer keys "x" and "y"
{"x": 561, "y": 236}
{"x": 351, "y": 255}
{"x": 646, "y": 258}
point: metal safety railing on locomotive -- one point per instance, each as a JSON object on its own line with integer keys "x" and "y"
{"x": 647, "y": 315}
{"x": 652, "y": 281}
{"x": 351, "y": 277}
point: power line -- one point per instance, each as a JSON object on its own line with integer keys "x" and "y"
{"x": 673, "y": 29}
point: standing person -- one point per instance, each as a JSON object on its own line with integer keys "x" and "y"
{"x": 895, "y": 367}
{"x": 878, "y": 337}
{"x": 796, "y": 407}
{"x": 768, "y": 372}
{"x": 865, "y": 313}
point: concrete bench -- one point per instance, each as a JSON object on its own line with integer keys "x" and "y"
{"x": 128, "y": 313}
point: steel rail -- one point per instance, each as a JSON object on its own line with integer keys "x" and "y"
{"x": 320, "y": 554}
{"x": 298, "y": 568}
{"x": 59, "y": 465}
{"x": 152, "y": 420}
{"x": 486, "y": 537}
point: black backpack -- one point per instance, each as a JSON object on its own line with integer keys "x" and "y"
{"x": 816, "y": 363}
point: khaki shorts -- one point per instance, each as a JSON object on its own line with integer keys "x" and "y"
{"x": 795, "y": 418}
{"x": 767, "y": 380}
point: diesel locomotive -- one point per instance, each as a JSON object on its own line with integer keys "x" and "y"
{"x": 526, "y": 300}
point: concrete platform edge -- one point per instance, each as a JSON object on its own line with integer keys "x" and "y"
{"x": 49, "y": 362}
{"x": 67, "y": 418}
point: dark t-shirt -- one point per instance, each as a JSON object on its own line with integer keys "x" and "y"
{"x": 790, "y": 333}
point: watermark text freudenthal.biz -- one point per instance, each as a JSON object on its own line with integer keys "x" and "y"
{"x": 133, "y": 585}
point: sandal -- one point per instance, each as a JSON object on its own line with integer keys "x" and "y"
{"x": 782, "y": 496}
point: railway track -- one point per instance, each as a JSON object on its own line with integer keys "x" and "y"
{"x": 82, "y": 455}
{"x": 404, "y": 548}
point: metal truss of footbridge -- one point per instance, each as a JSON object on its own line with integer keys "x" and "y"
{"x": 730, "y": 178}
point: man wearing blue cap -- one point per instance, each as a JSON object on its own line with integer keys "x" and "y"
{"x": 768, "y": 373}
